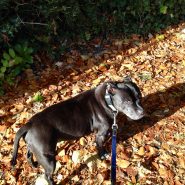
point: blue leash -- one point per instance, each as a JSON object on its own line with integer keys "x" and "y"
{"x": 109, "y": 102}
{"x": 113, "y": 159}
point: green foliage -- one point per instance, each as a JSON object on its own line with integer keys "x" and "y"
{"x": 160, "y": 37}
{"x": 13, "y": 62}
{"x": 38, "y": 97}
{"x": 145, "y": 76}
{"x": 46, "y": 22}
{"x": 49, "y": 24}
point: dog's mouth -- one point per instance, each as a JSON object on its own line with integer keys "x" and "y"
{"x": 135, "y": 115}
{"x": 138, "y": 117}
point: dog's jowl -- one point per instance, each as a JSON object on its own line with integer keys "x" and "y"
{"x": 77, "y": 117}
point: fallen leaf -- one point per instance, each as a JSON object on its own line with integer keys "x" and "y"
{"x": 85, "y": 57}
{"x": 41, "y": 181}
{"x": 2, "y": 113}
{"x": 182, "y": 162}
{"x": 119, "y": 57}
{"x": 100, "y": 178}
{"x": 102, "y": 67}
{"x": 106, "y": 182}
{"x": 3, "y": 128}
{"x": 24, "y": 115}
{"x": 122, "y": 163}
{"x": 163, "y": 172}
{"x": 155, "y": 165}
{"x": 61, "y": 153}
{"x": 83, "y": 141}
{"x": 160, "y": 37}
{"x": 141, "y": 151}
{"x": 139, "y": 138}
{"x": 96, "y": 81}
{"x": 76, "y": 156}
{"x": 178, "y": 182}
{"x": 75, "y": 178}
{"x": 58, "y": 166}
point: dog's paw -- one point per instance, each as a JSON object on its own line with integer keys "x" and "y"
{"x": 104, "y": 155}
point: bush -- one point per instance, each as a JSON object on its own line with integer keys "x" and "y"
{"x": 13, "y": 62}
{"x": 48, "y": 21}
{"x": 46, "y": 24}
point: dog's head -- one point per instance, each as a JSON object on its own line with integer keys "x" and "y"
{"x": 126, "y": 98}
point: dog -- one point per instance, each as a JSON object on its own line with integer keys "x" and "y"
{"x": 77, "y": 117}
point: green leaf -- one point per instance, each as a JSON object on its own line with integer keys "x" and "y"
{"x": 87, "y": 36}
{"x": 18, "y": 60}
{"x": 27, "y": 65}
{"x": 145, "y": 76}
{"x": 1, "y": 91}
{"x": 9, "y": 80}
{"x": 29, "y": 50}
{"x": 1, "y": 77}
{"x": 12, "y": 53}
{"x": 6, "y": 56}
{"x": 163, "y": 9}
{"x": 160, "y": 37}
{"x": 38, "y": 97}
{"x": 3, "y": 69}
{"x": 18, "y": 48}
{"x": 29, "y": 59}
{"x": 5, "y": 63}
{"x": 16, "y": 71}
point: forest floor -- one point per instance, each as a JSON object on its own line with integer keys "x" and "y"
{"x": 150, "y": 151}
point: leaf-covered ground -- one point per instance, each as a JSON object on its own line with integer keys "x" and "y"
{"x": 150, "y": 151}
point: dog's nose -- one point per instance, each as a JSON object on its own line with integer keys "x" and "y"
{"x": 141, "y": 112}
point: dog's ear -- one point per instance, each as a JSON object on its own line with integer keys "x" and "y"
{"x": 127, "y": 79}
{"x": 111, "y": 88}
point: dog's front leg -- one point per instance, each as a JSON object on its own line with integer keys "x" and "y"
{"x": 100, "y": 138}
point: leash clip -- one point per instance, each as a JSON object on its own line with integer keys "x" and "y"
{"x": 114, "y": 125}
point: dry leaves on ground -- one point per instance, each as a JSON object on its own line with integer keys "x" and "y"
{"x": 151, "y": 151}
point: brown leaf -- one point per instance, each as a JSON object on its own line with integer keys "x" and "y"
{"x": 100, "y": 178}
{"x": 141, "y": 151}
{"x": 178, "y": 182}
{"x": 65, "y": 158}
{"x": 96, "y": 81}
{"x": 165, "y": 146}
{"x": 2, "y": 112}
{"x": 163, "y": 172}
{"x": 182, "y": 162}
{"x": 123, "y": 163}
{"x": 3, "y": 128}
{"x": 24, "y": 115}
{"x": 139, "y": 138}
{"x": 131, "y": 171}
{"x": 155, "y": 165}
{"x": 83, "y": 141}
{"x": 102, "y": 67}
{"x": 62, "y": 153}
{"x": 152, "y": 151}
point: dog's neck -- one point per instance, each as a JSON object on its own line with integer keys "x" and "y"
{"x": 100, "y": 92}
